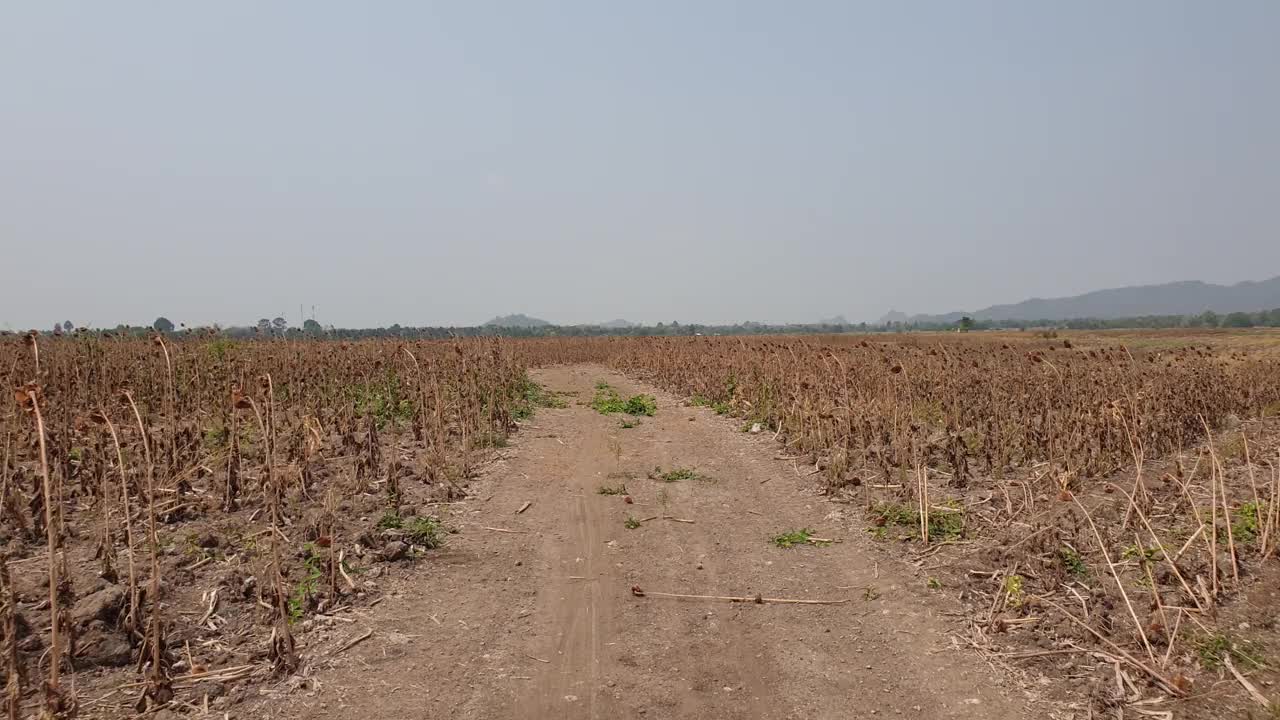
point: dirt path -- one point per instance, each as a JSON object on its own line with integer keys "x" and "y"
{"x": 541, "y": 623}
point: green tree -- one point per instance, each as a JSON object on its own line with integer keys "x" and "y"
{"x": 966, "y": 324}
{"x": 162, "y": 324}
{"x": 311, "y": 327}
{"x": 1238, "y": 320}
{"x": 1208, "y": 318}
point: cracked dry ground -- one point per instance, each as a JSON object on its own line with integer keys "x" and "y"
{"x": 540, "y": 621}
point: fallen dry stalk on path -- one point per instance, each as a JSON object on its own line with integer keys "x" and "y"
{"x": 352, "y": 643}
{"x": 1249, "y": 687}
{"x": 666, "y": 517}
{"x": 757, "y": 599}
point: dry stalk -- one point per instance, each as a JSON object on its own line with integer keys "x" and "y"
{"x": 1139, "y": 457}
{"x": 1257, "y": 501}
{"x": 101, "y": 417}
{"x": 9, "y": 627}
{"x": 1218, "y": 479}
{"x": 283, "y": 656}
{"x": 55, "y": 704}
{"x": 1155, "y": 593}
{"x": 231, "y": 490}
{"x": 922, "y": 482}
{"x": 171, "y": 400}
{"x": 1249, "y": 687}
{"x": 1172, "y": 562}
{"x": 1116, "y": 576}
{"x": 159, "y": 687}
{"x": 1164, "y": 683}
{"x": 757, "y": 599}
{"x": 33, "y": 343}
{"x": 1212, "y": 535}
{"x": 1273, "y": 512}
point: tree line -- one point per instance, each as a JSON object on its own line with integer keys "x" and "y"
{"x": 280, "y": 328}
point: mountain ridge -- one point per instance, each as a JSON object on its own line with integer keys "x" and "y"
{"x": 517, "y": 320}
{"x": 1182, "y": 297}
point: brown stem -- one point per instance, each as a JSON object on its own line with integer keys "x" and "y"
{"x": 51, "y": 537}
{"x": 152, "y": 540}
{"x": 128, "y": 520}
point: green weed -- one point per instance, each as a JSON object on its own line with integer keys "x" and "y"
{"x": 1214, "y": 649}
{"x": 219, "y": 348}
{"x": 216, "y": 437}
{"x": 1072, "y": 562}
{"x": 675, "y": 475}
{"x": 1244, "y": 522}
{"x": 1141, "y": 554}
{"x": 383, "y": 399}
{"x": 300, "y": 598}
{"x": 607, "y": 401}
{"x": 803, "y": 536}
{"x": 641, "y": 405}
{"x": 1013, "y": 590}
{"x": 425, "y": 532}
{"x": 390, "y": 520}
{"x": 533, "y": 396}
{"x": 946, "y": 521}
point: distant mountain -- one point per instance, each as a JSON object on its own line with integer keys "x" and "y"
{"x": 618, "y": 324}
{"x": 1190, "y": 297}
{"x": 893, "y": 316}
{"x": 517, "y": 321}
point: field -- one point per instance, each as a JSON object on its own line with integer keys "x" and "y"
{"x": 1047, "y": 524}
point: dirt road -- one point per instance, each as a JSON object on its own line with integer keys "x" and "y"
{"x": 540, "y": 621}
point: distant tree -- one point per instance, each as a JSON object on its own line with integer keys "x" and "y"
{"x": 68, "y": 327}
{"x": 966, "y": 324}
{"x": 264, "y": 326}
{"x": 311, "y": 327}
{"x": 162, "y": 324}
{"x": 1208, "y": 318}
{"x": 1238, "y": 320}
{"x": 280, "y": 325}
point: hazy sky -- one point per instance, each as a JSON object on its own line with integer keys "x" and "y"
{"x": 441, "y": 163}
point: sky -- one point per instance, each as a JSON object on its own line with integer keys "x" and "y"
{"x": 441, "y": 163}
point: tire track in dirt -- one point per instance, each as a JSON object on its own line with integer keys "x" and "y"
{"x": 576, "y": 597}
{"x": 540, "y": 623}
